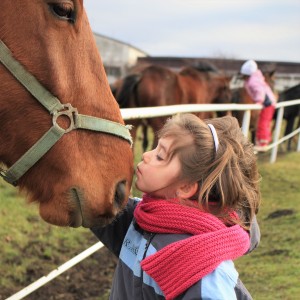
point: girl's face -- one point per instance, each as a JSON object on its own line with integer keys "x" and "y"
{"x": 156, "y": 174}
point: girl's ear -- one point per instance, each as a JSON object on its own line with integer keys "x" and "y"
{"x": 187, "y": 190}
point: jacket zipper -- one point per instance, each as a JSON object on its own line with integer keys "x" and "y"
{"x": 149, "y": 239}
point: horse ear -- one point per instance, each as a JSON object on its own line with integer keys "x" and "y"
{"x": 228, "y": 77}
{"x": 272, "y": 73}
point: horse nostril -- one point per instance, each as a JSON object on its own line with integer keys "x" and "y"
{"x": 120, "y": 193}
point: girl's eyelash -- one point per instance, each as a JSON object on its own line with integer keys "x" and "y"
{"x": 158, "y": 157}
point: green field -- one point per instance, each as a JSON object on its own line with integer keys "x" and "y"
{"x": 270, "y": 272}
{"x": 273, "y": 270}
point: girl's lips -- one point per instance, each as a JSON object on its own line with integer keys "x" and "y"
{"x": 138, "y": 171}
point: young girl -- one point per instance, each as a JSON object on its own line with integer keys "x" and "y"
{"x": 259, "y": 90}
{"x": 201, "y": 197}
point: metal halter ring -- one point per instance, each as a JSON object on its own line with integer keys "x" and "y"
{"x": 70, "y": 112}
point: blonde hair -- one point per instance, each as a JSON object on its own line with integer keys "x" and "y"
{"x": 227, "y": 178}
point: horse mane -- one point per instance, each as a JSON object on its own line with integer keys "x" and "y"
{"x": 161, "y": 70}
{"x": 204, "y": 66}
{"x": 127, "y": 89}
{"x": 201, "y": 69}
{"x": 194, "y": 73}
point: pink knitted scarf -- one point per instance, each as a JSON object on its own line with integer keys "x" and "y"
{"x": 179, "y": 265}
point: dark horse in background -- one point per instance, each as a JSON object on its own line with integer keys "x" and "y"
{"x": 290, "y": 113}
{"x": 160, "y": 86}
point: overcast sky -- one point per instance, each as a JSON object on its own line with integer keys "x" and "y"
{"x": 239, "y": 29}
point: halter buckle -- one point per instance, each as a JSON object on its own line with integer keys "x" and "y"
{"x": 68, "y": 111}
{"x": 2, "y": 173}
{"x": 6, "y": 178}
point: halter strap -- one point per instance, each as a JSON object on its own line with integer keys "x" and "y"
{"x": 56, "y": 109}
{"x": 50, "y": 102}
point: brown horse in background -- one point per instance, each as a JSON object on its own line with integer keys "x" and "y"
{"x": 241, "y": 96}
{"x": 160, "y": 86}
{"x": 85, "y": 178}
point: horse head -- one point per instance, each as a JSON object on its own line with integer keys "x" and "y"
{"x": 221, "y": 88}
{"x": 85, "y": 177}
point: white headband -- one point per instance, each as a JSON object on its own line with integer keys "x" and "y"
{"x": 215, "y": 136}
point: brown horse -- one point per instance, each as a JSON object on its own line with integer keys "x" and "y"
{"x": 241, "y": 96}
{"x": 159, "y": 86}
{"x": 85, "y": 178}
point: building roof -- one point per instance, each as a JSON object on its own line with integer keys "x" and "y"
{"x": 119, "y": 42}
{"x": 228, "y": 65}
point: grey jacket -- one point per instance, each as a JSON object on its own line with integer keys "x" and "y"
{"x": 132, "y": 244}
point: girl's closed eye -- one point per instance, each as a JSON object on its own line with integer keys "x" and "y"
{"x": 160, "y": 151}
{"x": 159, "y": 158}
{"x": 160, "y": 154}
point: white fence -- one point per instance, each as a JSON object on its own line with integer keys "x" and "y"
{"x": 151, "y": 112}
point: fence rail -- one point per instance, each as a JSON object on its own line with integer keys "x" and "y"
{"x": 152, "y": 112}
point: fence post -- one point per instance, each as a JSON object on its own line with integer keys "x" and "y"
{"x": 277, "y": 134}
{"x": 246, "y": 122}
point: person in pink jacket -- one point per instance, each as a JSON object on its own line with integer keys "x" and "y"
{"x": 261, "y": 93}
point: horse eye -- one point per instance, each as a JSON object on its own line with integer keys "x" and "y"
{"x": 63, "y": 11}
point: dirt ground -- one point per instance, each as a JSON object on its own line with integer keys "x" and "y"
{"x": 90, "y": 279}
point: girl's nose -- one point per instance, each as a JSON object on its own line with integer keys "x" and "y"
{"x": 146, "y": 157}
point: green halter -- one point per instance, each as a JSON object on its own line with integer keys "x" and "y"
{"x": 56, "y": 109}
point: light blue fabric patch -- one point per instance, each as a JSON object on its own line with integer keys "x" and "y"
{"x": 132, "y": 252}
{"x": 220, "y": 283}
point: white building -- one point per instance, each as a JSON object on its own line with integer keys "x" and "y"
{"x": 118, "y": 57}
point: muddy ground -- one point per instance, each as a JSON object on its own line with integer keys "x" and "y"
{"x": 90, "y": 279}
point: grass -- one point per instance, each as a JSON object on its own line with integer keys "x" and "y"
{"x": 26, "y": 238}
{"x": 271, "y": 272}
